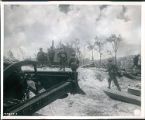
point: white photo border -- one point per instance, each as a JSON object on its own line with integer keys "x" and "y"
{"x": 142, "y": 4}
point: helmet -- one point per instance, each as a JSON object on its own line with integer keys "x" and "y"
{"x": 110, "y": 60}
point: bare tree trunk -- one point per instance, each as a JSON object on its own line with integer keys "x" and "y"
{"x": 100, "y": 59}
{"x": 92, "y": 55}
{"x": 116, "y": 58}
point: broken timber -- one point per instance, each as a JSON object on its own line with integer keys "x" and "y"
{"x": 123, "y": 96}
{"x": 56, "y": 85}
{"x": 134, "y": 91}
{"x": 32, "y": 105}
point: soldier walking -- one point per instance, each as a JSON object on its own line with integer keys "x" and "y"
{"x": 41, "y": 57}
{"x": 62, "y": 58}
{"x": 113, "y": 73}
{"x": 73, "y": 62}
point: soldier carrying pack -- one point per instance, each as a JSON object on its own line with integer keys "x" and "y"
{"x": 113, "y": 73}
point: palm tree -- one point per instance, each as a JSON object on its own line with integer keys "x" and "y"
{"x": 115, "y": 40}
{"x": 91, "y": 48}
{"x": 99, "y": 43}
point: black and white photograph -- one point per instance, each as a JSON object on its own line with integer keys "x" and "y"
{"x": 0, "y": 52}
{"x": 72, "y": 60}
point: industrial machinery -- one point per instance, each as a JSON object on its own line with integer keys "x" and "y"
{"x": 47, "y": 86}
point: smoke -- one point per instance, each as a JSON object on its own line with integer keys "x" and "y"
{"x": 123, "y": 15}
{"x": 102, "y": 7}
{"x": 29, "y": 27}
{"x": 64, "y": 8}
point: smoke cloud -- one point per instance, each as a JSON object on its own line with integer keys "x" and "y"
{"x": 29, "y": 27}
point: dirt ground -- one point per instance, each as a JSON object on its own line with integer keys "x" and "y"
{"x": 95, "y": 103}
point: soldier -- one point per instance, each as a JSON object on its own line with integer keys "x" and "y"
{"x": 73, "y": 62}
{"x": 51, "y": 54}
{"x": 135, "y": 61}
{"x": 137, "y": 64}
{"x": 41, "y": 57}
{"x": 15, "y": 86}
{"x": 113, "y": 72}
{"x": 62, "y": 58}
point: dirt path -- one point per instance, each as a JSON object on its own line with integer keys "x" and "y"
{"x": 95, "y": 102}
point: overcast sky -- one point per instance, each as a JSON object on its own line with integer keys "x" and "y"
{"x": 27, "y": 27}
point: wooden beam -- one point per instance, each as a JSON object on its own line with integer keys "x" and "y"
{"x": 123, "y": 96}
{"x": 134, "y": 91}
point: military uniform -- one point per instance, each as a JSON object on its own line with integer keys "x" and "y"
{"x": 62, "y": 59}
{"x": 41, "y": 57}
{"x": 135, "y": 60}
{"x": 15, "y": 86}
{"x": 113, "y": 73}
{"x": 73, "y": 63}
